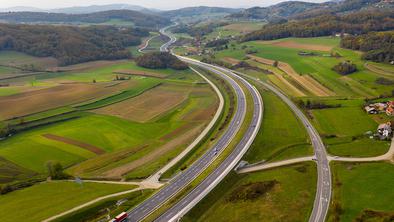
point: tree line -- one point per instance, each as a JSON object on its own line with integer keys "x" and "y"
{"x": 378, "y": 46}
{"x": 160, "y": 60}
{"x": 71, "y": 45}
{"x": 353, "y": 23}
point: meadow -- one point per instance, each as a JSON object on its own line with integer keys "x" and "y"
{"x": 344, "y": 129}
{"x": 359, "y": 188}
{"x": 281, "y": 136}
{"x": 236, "y": 198}
{"x": 47, "y": 199}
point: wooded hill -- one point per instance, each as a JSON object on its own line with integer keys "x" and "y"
{"x": 70, "y": 45}
{"x": 137, "y": 18}
{"x": 299, "y": 10}
{"x": 354, "y": 23}
{"x": 378, "y": 46}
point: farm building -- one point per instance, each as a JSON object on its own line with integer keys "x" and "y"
{"x": 381, "y": 107}
{"x": 385, "y": 131}
{"x": 371, "y": 110}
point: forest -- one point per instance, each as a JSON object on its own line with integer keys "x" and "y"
{"x": 378, "y": 46}
{"x": 71, "y": 45}
{"x": 138, "y": 18}
{"x": 328, "y": 24}
{"x": 160, "y": 60}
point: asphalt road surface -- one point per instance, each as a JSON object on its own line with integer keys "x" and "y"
{"x": 181, "y": 181}
{"x": 323, "y": 192}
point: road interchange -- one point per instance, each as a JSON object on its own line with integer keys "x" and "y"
{"x": 323, "y": 192}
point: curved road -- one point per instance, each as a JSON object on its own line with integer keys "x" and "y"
{"x": 181, "y": 181}
{"x": 324, "y": 186}
{"x": 323, "y": 192}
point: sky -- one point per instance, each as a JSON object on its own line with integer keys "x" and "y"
{"x": 158, "y": 4}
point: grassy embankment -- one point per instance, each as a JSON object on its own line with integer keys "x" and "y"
{"x": 262, "y": 196}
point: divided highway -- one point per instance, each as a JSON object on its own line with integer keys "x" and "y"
{"x": 324, "y": 183}
{"x": 181, "y": 181}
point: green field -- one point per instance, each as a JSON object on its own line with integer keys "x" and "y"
{"x": 47, "y": 199}
{"x": 343, "y": 129}
{"x": 121, "y": 139}
{"x": 359, "y": 84}
{"x": 274, "y": 204}
{"x": 281, "y": 136}
{"x": 360, "y": 187}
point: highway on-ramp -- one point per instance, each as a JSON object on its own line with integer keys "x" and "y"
{"x": 181, "y": 181}
{"x": 324, "y": 183}
{"x": 323, "y": 191}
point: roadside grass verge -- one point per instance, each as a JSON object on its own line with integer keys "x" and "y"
{"x": 223, "y": 155}
{"x": 216, "y": 131}
{"x": 247, "y": 197}
{"x": 47, "y": 199}
{"x": 100, "y": 209}
{"x": 362, "y": 192}
{"x": 281, "y": 136}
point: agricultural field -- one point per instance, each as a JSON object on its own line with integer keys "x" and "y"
{"x": 234, "y": 29}
{"x": 362, "y": 192}
{"x": 310, "y": 77}
{"x": 145, "y": 116}
{"x": 260, "y": 196}
{"x": 315, "y": 68}
{"x": 53, "y": 198}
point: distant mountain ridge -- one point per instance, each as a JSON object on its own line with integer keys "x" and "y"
{"x": 79, "y": 9}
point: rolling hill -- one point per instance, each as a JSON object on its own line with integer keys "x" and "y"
{"x": 301, "y": 10}
{"x": 137, "y": 18}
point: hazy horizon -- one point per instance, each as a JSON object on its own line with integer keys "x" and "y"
{"x": 156, "y": 4}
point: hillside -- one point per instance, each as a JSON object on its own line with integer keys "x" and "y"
{"x": 137, "y": 18}
{"x": 281, "y": 10}
{"x": 299, "y": 10}
{"x": 328, "y": 24}
{"x": 202, "y": 11}
{"x": 70, "y": 45}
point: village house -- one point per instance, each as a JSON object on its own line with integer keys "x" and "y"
{"x": 385, "y": 131}
{"x": 381, "y": 107}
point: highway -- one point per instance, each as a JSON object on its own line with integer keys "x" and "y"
{"x": 187, "y": 176}
{"x": 324, "y": 185}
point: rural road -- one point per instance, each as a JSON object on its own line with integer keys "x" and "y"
{"x": 146, "y": 44}
{"x": 186, "y": 177}
{"x": 323, "y": 191}
{"x": 265, "y": 166}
